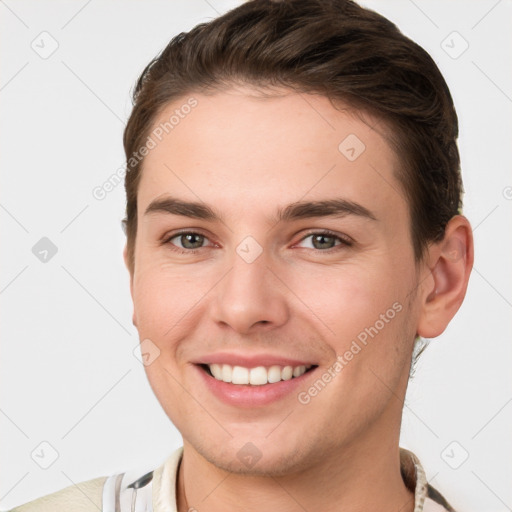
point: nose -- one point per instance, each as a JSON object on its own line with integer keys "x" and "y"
{"x": 250, "y": 297}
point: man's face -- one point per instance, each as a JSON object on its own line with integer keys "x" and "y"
{"x": 248, "y": 290}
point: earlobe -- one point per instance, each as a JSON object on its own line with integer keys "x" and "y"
{"x": 450, "y": 263}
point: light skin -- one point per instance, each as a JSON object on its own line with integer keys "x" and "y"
{"x": 304, "y": 297}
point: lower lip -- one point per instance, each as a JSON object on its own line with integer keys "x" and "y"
{"x": 242, "y": 395}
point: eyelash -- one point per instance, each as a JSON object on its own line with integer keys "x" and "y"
{"x": 345, "y": 241}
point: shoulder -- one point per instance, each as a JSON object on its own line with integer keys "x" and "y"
{"x": 82, "y": 497}
{"x": 121, "y": 491}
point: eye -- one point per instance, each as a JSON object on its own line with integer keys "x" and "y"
{"x": 188, "y": 241}
{"x": 325, "y": 240}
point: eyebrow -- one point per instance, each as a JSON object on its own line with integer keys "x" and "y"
{"x": 337, "y": 207}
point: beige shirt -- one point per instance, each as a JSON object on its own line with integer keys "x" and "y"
{"x": 87, "y": 496}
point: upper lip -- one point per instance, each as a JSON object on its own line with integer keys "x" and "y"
{"x": 252, "y": 361}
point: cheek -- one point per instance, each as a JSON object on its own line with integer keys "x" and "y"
{"x": 164, "y": 302}
{"x": 348, "y": 298}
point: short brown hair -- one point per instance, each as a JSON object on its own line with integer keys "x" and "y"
{"x": 334, "y": 48}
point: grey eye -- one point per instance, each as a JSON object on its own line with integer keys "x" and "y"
{"x": 190, "y": 240}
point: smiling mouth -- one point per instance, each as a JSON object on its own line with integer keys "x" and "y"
{"x": 257, "y": 376}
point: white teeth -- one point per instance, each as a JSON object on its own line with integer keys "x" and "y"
{"x": 274, "y": 374}
{"x": 227, "y": 372}
{"x": 216, "y": 370}
{"x": 240, "y": 375}
{"x": 298, "y": 371}
{"x": 287, "y": 373}
{"x": 256, "y": 376}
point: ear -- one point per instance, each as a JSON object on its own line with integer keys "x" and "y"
{"x": 449, "y": 265}
{"x": 125, "y": 257}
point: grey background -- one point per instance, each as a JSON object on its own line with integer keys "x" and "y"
{"x": 69, "y": 377}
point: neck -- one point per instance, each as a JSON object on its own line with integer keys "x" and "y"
{"x": 362, "y": 476}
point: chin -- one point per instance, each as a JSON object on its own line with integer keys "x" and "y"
{"x": 259, "y": 458}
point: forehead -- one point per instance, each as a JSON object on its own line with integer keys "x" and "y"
{"x": 250, "y": 151}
